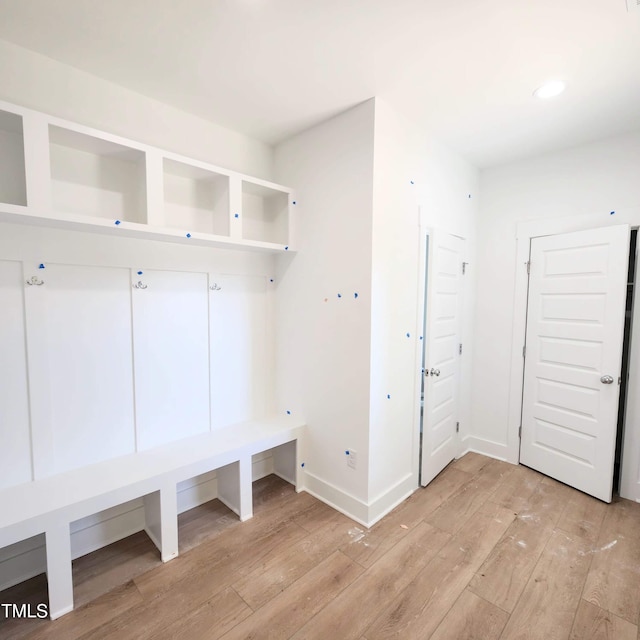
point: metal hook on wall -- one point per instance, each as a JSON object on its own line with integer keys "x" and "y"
{"x": 140, "y": 285}
{"x": 215, "y": 287}
{"x": 35, "y": 282}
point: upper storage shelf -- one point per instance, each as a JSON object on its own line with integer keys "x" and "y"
{"x": 58, "y": 173}
{"x": 96, "y": 178}
{"x": 13, "y": 184}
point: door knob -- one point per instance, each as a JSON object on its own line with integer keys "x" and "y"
{"x": 606, "y": 380}
{"x": 436, "y": 372}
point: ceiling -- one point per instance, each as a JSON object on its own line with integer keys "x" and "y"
{"x": 270, "y": 68}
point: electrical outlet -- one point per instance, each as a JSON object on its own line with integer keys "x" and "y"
{"x": 352, "y": 459}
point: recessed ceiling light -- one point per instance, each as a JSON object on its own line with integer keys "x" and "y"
{"x": 550, "y": 89}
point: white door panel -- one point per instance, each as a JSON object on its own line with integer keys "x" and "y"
{"x": 442, "y": 342}
{"x": 575, "y": 324}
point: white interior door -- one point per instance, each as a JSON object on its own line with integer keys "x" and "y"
{"x": 575, "y": 326}
{"x": 442, "y": 353}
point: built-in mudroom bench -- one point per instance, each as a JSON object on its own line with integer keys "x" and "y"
{"x": 137, "y": 343}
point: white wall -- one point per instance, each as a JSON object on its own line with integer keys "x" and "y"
{"x": 437, "y": 199}
{"x": 593, "y": 179}
{"x": 324, "y": 341}
{"x": 358, "y": 230}
{"x": 35, "y": 81}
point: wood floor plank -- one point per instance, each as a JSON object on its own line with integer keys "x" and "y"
{"x": 503, "y": 576}
{"x": 290, "y": 609}
{"x": 547, "y": 503}
{"x": 583, "y": 516}
{"x": 347, "y": 616}
{"x": 594, "y": 623}
{"x": 516, "y": 547}
{"x": 454, "y": 512}
{"x": 247, "y": 544}
{"x": 209, "y": 621}
{"x": 98, "y": 573}
{"x": 472, "y": 618}
{"x": 213, "y": 574}
{"x": 417, "y": 611}
{"x": 471, "y": 462}
{"x": 282, "y": 569}
{"x": 516, "y": 493}
{"x": 91, "y": 616}
{"x": 369, "y": 545}
{"x": 204, "y": 523}
{"x": 549, "y": 601}
{"x": 613, "y": 582}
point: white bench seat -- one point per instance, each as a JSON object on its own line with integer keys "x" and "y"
{"x": 50, "y": 505}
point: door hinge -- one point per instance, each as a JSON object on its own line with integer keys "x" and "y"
{"x": 464, "y": 267}
{"x": 520, "y": 431}
{"x": 460, "y": 348}
{"x": 528, "y": 263}
{"x": 524, "y": 351}
{"x": 457, "y": 427}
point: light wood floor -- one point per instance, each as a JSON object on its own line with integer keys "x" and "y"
{"x": 487, "y": 551}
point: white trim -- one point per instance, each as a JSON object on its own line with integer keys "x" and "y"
{"x": 496, "y": 450}
{"x": 630, "y": 484}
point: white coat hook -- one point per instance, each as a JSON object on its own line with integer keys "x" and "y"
{"x": 215, "y": 287}
{"x": 35, "y": 282}
{"x": 140, "y": 285}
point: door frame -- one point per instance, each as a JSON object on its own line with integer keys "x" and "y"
{"x": 427, "y": 231}
{"x": 525, "y": 231}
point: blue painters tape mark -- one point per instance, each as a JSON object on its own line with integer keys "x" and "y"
{"x": 117, "y": 222}
{"x": 236, "y": 215}
{"x": 302, "y": 465}
{"x": 612, "y": 213}
{"x": 41, "y": 266}
{"x": 355, "y": 295}
{"x": 388, "y": 396}
{"x": 412, "y": 182}
{"x": 408, "y": 335}
{"x": 339, "y": 295}
{"x": 139, "y": 273}
{"x": 286, "y": 248}
{"x": 188, "y": 235}
{"x": 346, "y": 453}
{"x": 420, "y": 337}
{"x": 288, "y": 412}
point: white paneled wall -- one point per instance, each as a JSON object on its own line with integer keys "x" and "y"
{"x": 240, "y": 376}
{"x": 79, "y": 340}
{"x": 170, "y": 328}
{"x": 15, "y": 451}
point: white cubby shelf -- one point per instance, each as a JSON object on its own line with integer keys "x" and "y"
{"x": 57, "y": 173}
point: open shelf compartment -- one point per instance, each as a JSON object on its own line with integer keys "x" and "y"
{"x": 195, "y": 199}
{"x": 265, "y": 213}
{"x": 13, "y": 184}
{"x": 96, "y": 177}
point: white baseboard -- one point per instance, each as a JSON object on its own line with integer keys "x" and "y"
{"x": 391, "y": 498}
{"x": 366, "y": 514}
{"x": 26, "y": 559}
{"x": 489, "y": 448}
